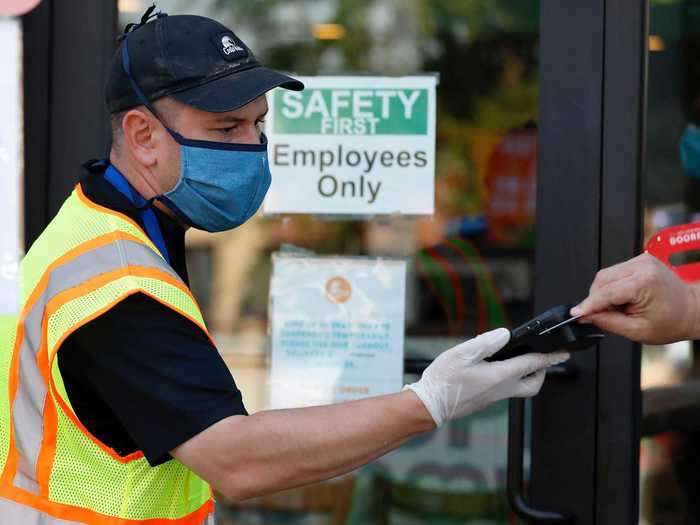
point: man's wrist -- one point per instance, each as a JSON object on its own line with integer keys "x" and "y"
{"x": 416, "y": 411}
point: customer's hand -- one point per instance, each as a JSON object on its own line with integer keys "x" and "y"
{"x": 643, "y": 300}
{"x": 460, "y": 382}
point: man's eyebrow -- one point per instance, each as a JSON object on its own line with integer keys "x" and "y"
{"x": 228, "y": 118}
{"x": 232, "y": 119}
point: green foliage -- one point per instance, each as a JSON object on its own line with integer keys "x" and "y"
{"x": 487, "y": 16}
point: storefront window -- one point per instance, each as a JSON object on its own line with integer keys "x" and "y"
{"x": 670, "y": 458}
{"x": 469, "y": 264}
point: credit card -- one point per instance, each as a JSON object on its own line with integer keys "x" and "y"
{"x": 563, "y": 323}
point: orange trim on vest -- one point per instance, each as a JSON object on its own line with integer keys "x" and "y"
{"x": 85, "y": 200}
{"x": 72, "y": 513}
{"x": 12, "y": 458}
{"x": 87, "y": 246}
{"x": 102, "y": 209}
{"x": 48, "y": 448}
{"x": 47, "y": 452}
{"x": 11, "y": 462}
{"x": 100, "y": 280}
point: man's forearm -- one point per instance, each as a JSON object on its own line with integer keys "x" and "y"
{"x": 280, "y": 449}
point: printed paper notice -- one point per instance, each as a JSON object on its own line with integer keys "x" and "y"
{"x": 353, "y": 145}
{"x": 337, "y": 329}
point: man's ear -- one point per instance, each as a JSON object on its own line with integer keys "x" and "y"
{"x": 141, "y": 135}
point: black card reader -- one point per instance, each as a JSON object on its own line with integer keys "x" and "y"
{"x": 544, "y": 335}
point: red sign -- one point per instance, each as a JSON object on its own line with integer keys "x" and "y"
{"x": 17, "y": 7}
{"x": 676, "y": 240}
{"x": 510, "y": 179}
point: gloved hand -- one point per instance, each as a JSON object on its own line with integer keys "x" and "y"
{"x": 460, "y": 382}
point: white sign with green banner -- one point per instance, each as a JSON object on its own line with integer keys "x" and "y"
{"x": 353, "y": 145}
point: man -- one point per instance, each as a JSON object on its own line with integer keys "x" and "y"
{"x": 120, "y": 409}
{"x": 643, "y": 300}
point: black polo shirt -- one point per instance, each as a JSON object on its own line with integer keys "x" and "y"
{"x": 140, "y": 376}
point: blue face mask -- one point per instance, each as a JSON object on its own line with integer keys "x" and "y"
{"x": 690, "y": 151}
{"x": 221, "y": 185}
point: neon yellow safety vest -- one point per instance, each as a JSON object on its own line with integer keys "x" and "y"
{"x": 53, "y": 470}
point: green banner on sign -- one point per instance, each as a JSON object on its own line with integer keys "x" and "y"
{"x": 325, "y": 111}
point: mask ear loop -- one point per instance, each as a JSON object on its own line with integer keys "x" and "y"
{"x": 126, "y": 65}
{"x": 144, "y": 206}
{"x": 145, "y": 18}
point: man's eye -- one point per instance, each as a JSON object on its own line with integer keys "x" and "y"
{"x": 259, "y": 122}
{"x": 228, "y": 130}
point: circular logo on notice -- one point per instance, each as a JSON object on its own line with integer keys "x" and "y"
{"x": 338, "y": 290}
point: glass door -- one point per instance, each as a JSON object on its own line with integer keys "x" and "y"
{"x": 585, "y": 424}
{"x": 470, "y": 264}
{"x": 670, "y": 460}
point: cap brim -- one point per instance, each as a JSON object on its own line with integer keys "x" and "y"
{"x": 236, "y": 90}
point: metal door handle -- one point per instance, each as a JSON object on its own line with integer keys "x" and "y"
{"x": 516, "y": 443}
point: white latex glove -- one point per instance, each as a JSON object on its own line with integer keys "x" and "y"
{"x": 460, "y": 382}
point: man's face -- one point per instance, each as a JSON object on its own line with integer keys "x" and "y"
{"x": 240, "y": 126}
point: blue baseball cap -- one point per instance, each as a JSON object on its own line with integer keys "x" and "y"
{"x": 193, "y": 59}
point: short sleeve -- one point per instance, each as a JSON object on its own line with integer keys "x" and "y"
{"x": 158, "y": 373}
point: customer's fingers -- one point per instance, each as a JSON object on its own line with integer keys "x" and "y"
{"x": 619, "y": 323}
{"x": 614, "y": 273}
{"x": 617, "y": 293}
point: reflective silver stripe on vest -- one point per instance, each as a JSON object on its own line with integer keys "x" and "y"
{"x": 28, "y": 407}
{"x": 13, "y": 513}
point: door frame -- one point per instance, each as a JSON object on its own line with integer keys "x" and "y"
{"x": 68, "y": 46}
{"x": 593, "y": 69}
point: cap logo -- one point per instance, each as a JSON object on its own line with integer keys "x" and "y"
{"x": 229, "y": 46}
